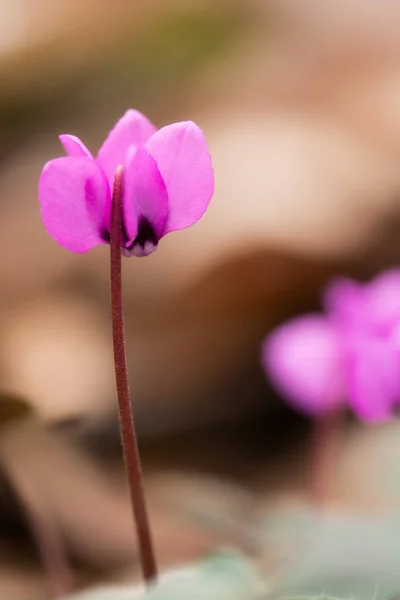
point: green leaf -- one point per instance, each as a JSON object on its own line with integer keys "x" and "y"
{"x": 224, "y": 576}
{"x": 339, "y": 555}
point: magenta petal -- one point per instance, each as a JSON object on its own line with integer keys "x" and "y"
{"x": 73, "y": 146}
{"x": 145, "y": 202}
{"x": 383, "y": 296}
{"x": 182, "y": 156}
{"x": 133, "y": 129}
{"x": 374, "y": 379}
{"x": 344, "y": 300}
{"x": 304, "y": 362}
{"x": 74, "y": 198}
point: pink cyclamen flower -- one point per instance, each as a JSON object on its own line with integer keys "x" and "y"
{"x": 168, "y": 184}
{"x": 351, "y": 354}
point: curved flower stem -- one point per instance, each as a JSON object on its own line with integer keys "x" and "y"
{"x": 126, "y": 422}
{"x": 44, "y": 532}
{"x": 324, "y": 452}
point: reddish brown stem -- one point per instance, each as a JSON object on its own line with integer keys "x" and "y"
{"x": 126, "y": 422}
{"x": 324, "y": 454}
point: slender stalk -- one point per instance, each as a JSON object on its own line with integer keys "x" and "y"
{"x": 126, "y": 422}
{"x": 324, "y": 449}
{"x": 45, "y": 534}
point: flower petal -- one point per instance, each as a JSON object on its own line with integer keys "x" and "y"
{"x": 344, "y": 300}
{"x": 374, "y": 379}
{"x": 73, "y": 146}
{"x": 182, "y": 156}
{"x": 75, "y": 199}
{"x": 383, "y": 296}
{"x": 145, "y": 203}
{"x": 304, "y": 362}
{"x": 133, "y": 129}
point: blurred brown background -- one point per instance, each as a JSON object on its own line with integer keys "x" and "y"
{"x": 300, "y": 102}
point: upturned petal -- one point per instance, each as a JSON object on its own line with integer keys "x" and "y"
{"x": 75, "y": 202}
{"x": 383, "y": 300}
{"x": 132, "y": 130}
{"x": 344, "y": 300}
{"x": 74, "y": 146}
{"x": 145, "y": 207}
{"x": 181, "y": 153}
{"x": 304, "y": 362}
{"x": 374, "y": 379}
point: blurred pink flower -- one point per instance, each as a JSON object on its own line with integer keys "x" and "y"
{"x": 168, "y": 184}
{"x": 351, "y": 354}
